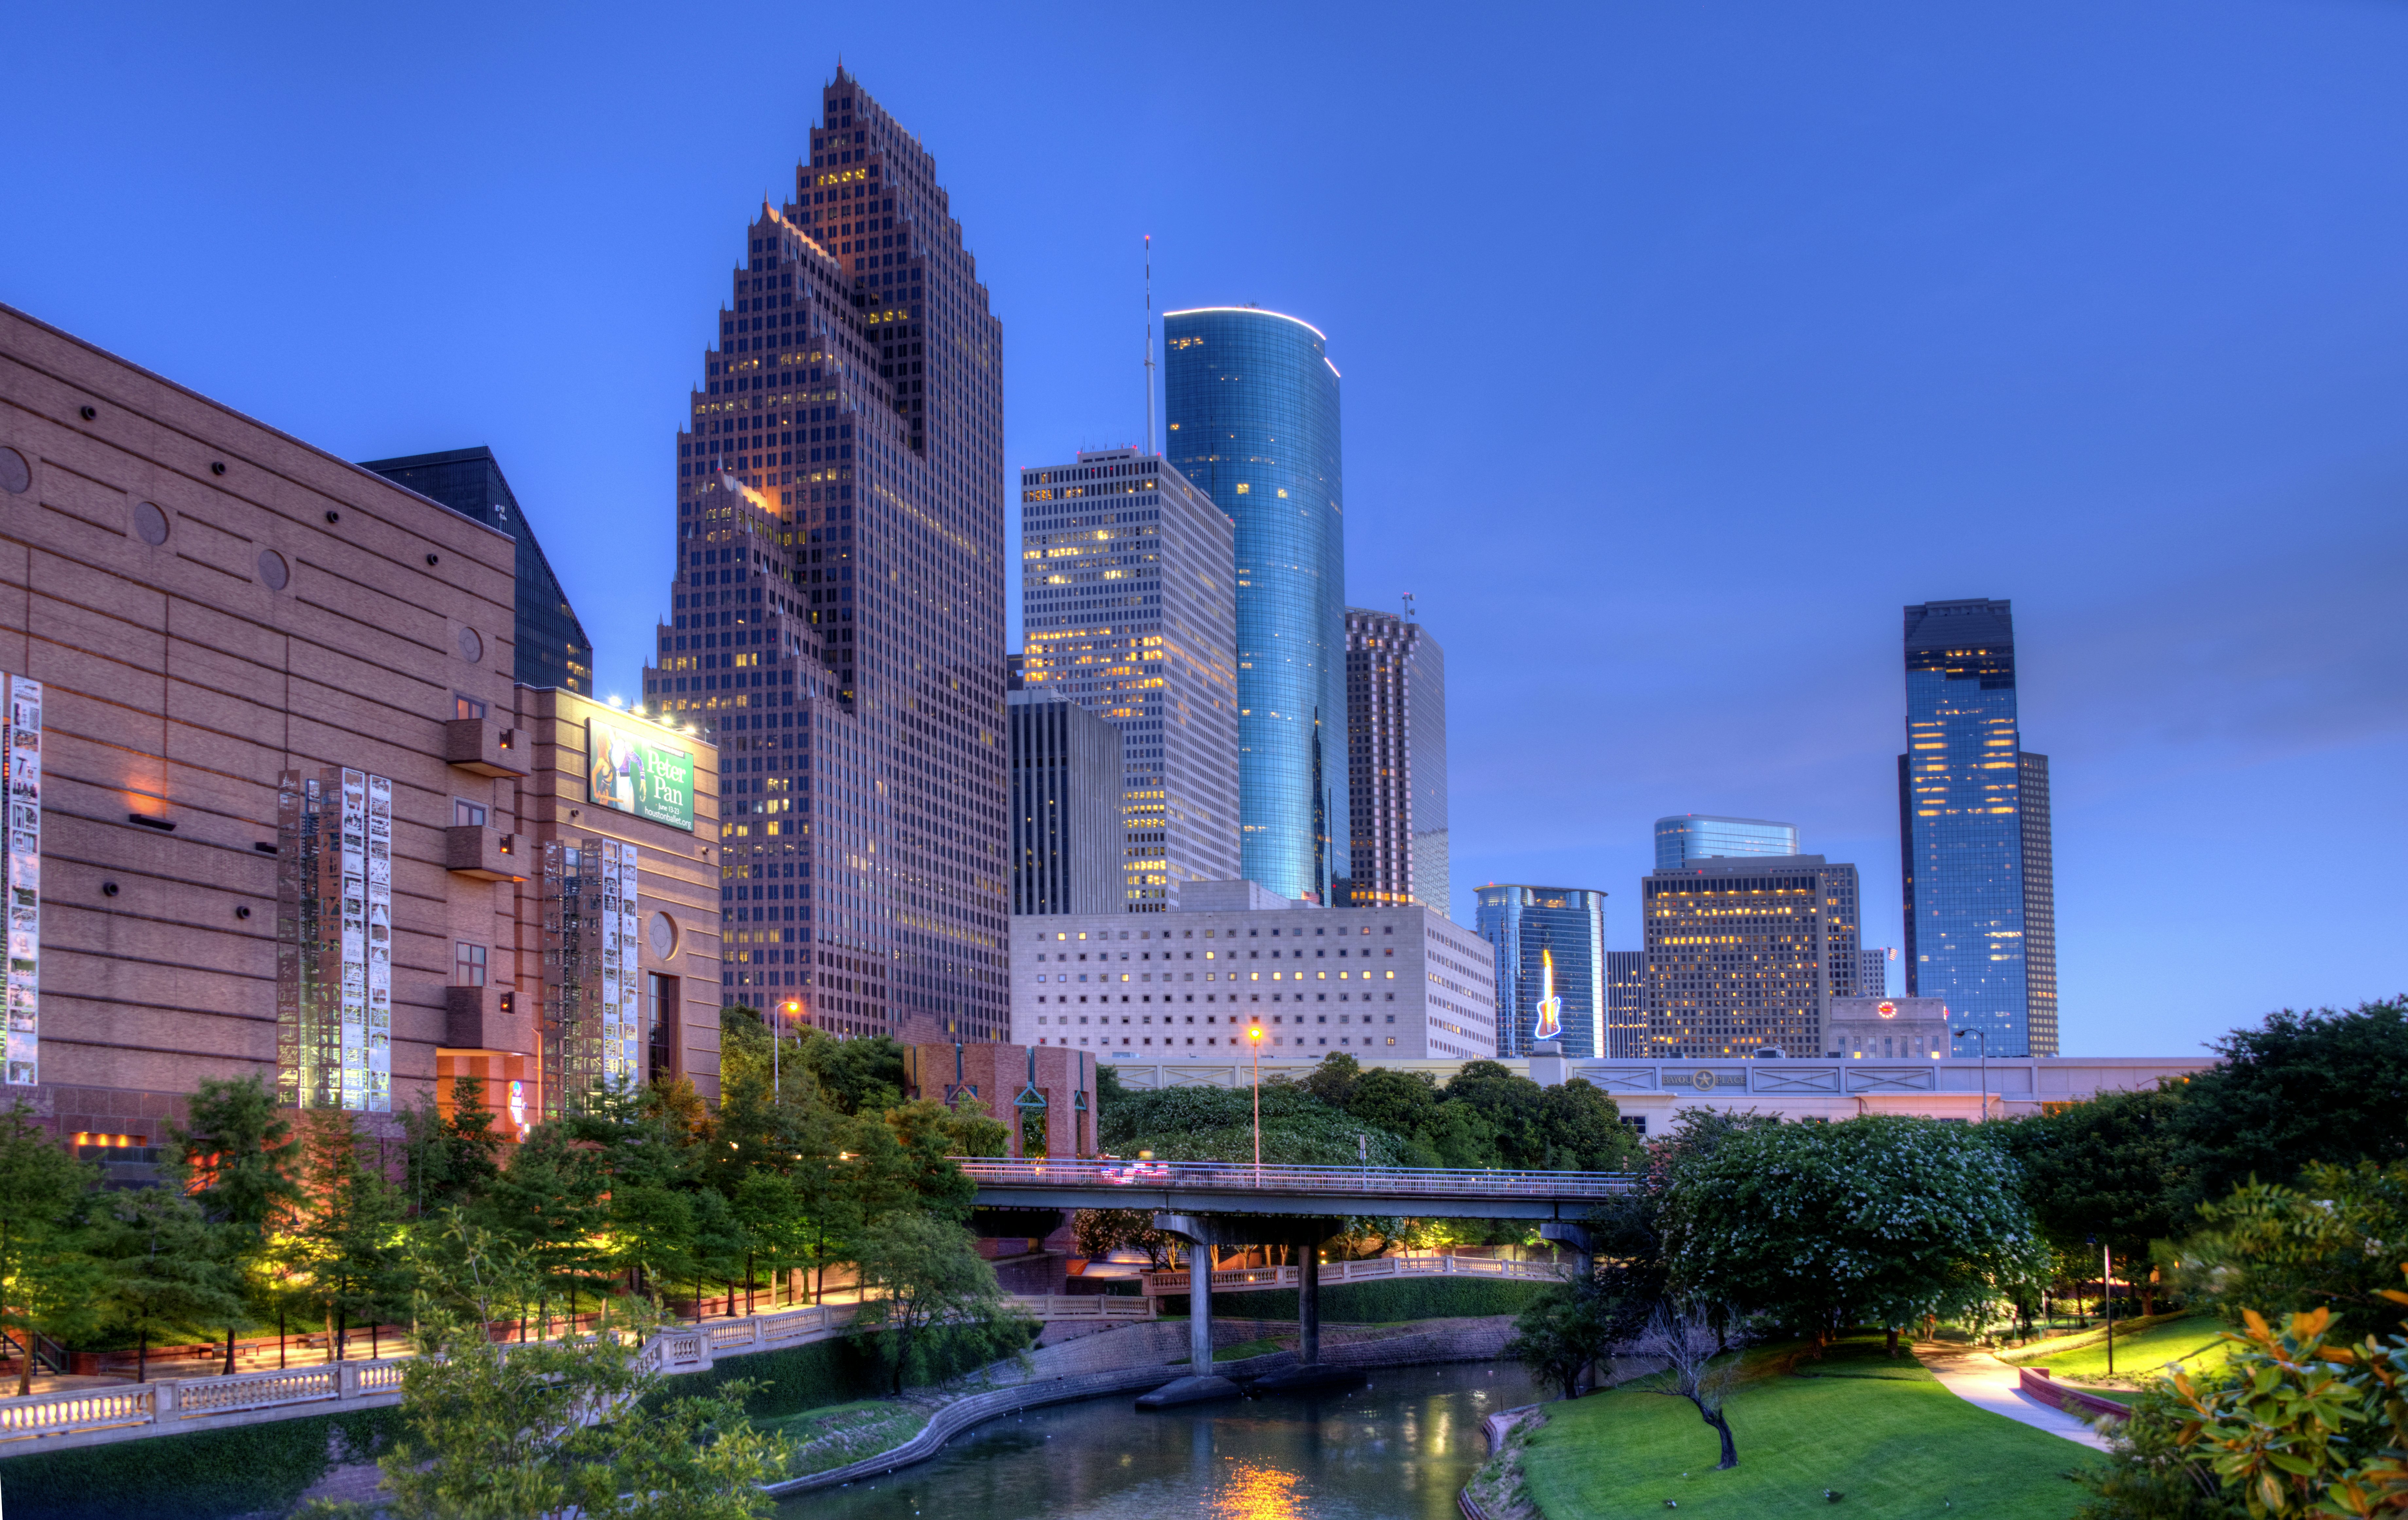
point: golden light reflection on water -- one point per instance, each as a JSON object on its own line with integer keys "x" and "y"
{"x": 1253, "y": 1492}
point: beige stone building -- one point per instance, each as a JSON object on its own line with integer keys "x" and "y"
{"x": 276, "y": 804}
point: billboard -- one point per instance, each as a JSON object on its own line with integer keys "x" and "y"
{"x": 631, "y": 769}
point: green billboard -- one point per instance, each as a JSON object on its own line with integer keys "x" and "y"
{"x": 631, "y": 769}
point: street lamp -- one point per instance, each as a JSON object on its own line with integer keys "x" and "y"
{"x": 1254, "y": 1042}
{"x": 777, "y": 1034}
{"x": 1985, "y": 1066}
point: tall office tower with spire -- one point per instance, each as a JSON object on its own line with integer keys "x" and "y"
{"x": 1253, "y": 411}
{"x": 839, "y": 603}
{"x": 1973, "y": 833}
{"x": 1396, "y": 757}
{"x": 1127, "y": 608}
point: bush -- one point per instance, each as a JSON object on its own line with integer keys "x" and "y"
{"x": 205, "y": 1475}
{"x": 815, "y": 1376}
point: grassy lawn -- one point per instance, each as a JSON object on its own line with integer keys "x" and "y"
{"x": 820, "y": 1439}
{"x": 1237, "y": 1353}
{"x": 1883, "y": 1433}
{"x": 2192, "y": 1341}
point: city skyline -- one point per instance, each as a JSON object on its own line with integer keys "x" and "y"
{"x": 1869, "y": 392}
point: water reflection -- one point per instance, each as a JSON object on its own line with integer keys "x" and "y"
{"x": 1398, "y": 1450}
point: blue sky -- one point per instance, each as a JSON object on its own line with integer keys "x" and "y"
{"x": 1683, "y": 345}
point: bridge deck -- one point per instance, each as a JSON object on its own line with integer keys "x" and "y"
{"x": 1239, "y": 1187}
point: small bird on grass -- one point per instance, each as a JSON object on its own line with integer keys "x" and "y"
{"x": 1832, "y": 1495}
{"x": 1671, "y": 1504}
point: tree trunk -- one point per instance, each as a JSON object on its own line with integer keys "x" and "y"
{"x": 1720, "y": 1422}
{"x": 229, "y": 1365}
{"x": 280, "y": 1337}
{"x": 1891, "y": 1347}
{"x": 748, "y": 1283}
{"x": 25, "y": 1378}
{"x": 142, "y": 1356}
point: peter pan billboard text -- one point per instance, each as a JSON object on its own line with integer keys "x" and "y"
{"x": 635, "y": 772}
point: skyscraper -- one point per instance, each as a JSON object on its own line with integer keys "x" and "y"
{"x": 838, "y": 600}
{"x": 1973, "y": 833}
{"x": 1872, "y": 973}
{"x": 553, "y": 649}
{"x": 1395, "y": 742}
{"x": 1127, "y": 608}
{"x": 1067, "y": 836}
{"x": 1625, "y": 1004}
{"x": 1744, "y": 955}
{"x": 1690, "y": 836}
{"x": 1253, "y": 402}
{"x": 1549, "y": 942}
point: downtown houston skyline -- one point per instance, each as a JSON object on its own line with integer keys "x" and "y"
{"x": 1806, "y": 335}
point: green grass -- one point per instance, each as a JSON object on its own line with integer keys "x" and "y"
{"x": 1237, "y": 1353}
{"x": 1881, "y": 1432}
{"x": 824, "y": 1439}
{"x": 2195, "y": 1340}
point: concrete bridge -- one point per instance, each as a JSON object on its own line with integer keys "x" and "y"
{"x": 1212, "y": 1204}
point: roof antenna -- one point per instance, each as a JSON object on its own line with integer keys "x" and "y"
{"x": 1149, "y": 345}
{"x": 1409, "y": 607}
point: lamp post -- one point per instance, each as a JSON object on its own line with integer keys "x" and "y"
{"x": 776, "y": 1035}
{"x": 1255, "y": 1043}
{"x": 1985, "y": 1049}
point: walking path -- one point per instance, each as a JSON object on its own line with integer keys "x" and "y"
{"x": 1981, "y": 1379}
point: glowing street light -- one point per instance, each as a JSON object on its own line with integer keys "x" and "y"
{"x": 1255, "y": 1043}
{"x": 777, "y": 1037}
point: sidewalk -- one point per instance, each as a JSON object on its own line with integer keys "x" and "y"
{"x": 1981, "y": 1379}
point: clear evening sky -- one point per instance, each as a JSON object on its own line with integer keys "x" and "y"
{"x": 1683, "y": 345}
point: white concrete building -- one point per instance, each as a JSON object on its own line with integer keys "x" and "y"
{"x": 1392, "y": 982}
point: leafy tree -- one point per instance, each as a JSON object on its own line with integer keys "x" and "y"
{"x": 1562, "y": 1334}
{"x": 2302, "y": 1425}
{"x": 563, "y": 1427}
{"x": 859, "y": 1076}
{"x": 2103, "y": 1171}
{"x": 1403, "y": 1103}
{"x": 933, "y": 1282}
{"x": 343, "y": 1238}
{"x": 1216, "y": 1123}
{"x": 1102, "y": 1232}
{"x": 2334, "y": 1243}
{"x": 47, "y": 1282}
{"x": 2301, "y": 1087}
{"x": 448, "y": 1161}
{"x": 1510, "y": 1106}
{"x": 1333, "y": 1081}
{"x": 1882, "y": 1220}
{"x": 235, "y": 1159}
{"x": 548, "y": 1204}
{"x": 1582, "y": 1129}
{"x": 165, "y": 1268}
{"x": 2151, "y": 1472}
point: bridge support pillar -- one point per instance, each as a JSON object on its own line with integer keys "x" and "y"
{"x": 1305, "y": 1233}
{"x": 1581, "y": 1238}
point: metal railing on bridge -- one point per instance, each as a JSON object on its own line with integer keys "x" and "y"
{"x": 1257, "y": 1278}
{"x": 1349, "y": 1181}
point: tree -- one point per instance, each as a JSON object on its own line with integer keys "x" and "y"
{"x": 345, "y": 1235}
{"x": 576, "y": 1426}
{"x": 1509, "y": 1104}
{"x": 2301, "y": 1087}
{"x": 235, "y": 1160}
{"x": 1102, "y": 1232}
{"x": 1333, "y": 1081}
{"x": 1883, "y": 1220}
{"x": 448, "y": 1161}
{"x": 548, "y": 1204}
{"x": 165, "y": 1268}
{"x": 1562, "y": 1334}
{"x": 2102, "y": 1171}
{"x": 1695, "y": 1368}
{"x": 1581, "y": 1128}
{"x": 2334, "y": 1243}
{"x": 46, "y": 1280}
{"x": 935, "y": 1283}
{"x": 2301, "y": 1425}
{"x": 646, "y": 1169}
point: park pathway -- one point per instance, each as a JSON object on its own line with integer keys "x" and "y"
{"x": 1981, "y": 1379}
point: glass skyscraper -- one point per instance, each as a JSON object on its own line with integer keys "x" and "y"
{"x": 1691, "y": 836}
{"x": 1973, "y": 833}
{"x": 1546, "y": 934}
{"x": 1252, "y": 405}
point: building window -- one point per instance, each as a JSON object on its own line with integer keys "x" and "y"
{"x": 466, "y": 813}
{"x": 660, "y": 1022}
{"x": 468, "y": 964}
{"x": 466, "y": 707}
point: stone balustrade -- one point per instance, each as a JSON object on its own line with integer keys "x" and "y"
{"x": 1262, "y": 1279}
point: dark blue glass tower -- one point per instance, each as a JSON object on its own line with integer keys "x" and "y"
{"x": 1973, "y": 832}
{"x": 1547, "y": 939}
{"x": 1253, "y": 406}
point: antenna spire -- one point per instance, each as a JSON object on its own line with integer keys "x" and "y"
{"x": 1149, "y": 345}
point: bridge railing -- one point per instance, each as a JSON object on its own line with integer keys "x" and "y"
{"x": 1240, "y": 1176}
{"x": 1254, "y": 1279}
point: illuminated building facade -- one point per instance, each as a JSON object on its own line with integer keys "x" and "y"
{"x": 1625, "y": 1004}
{"x": 839, "y": 603}
{"x": 1395, "y": 983}
{"x": 1744, "y": 955}
{"x": 1127, "y": 608}
{"x": 1548, "y": 941}
{"x": 1872, "y": 972}
{"x": 1395, "y": 751}
{"x": 1693, "y": 835}
{"x": 553, "y": 649}
{"x": 1973, "y": 832}
{"x": 1067, "y": 836}
{"x": 1253, "y": 419}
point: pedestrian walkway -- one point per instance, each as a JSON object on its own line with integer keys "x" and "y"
{"x": 1981, "y": 1379}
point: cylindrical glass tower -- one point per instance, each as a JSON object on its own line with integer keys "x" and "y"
{"x": 1253, "y": 406}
